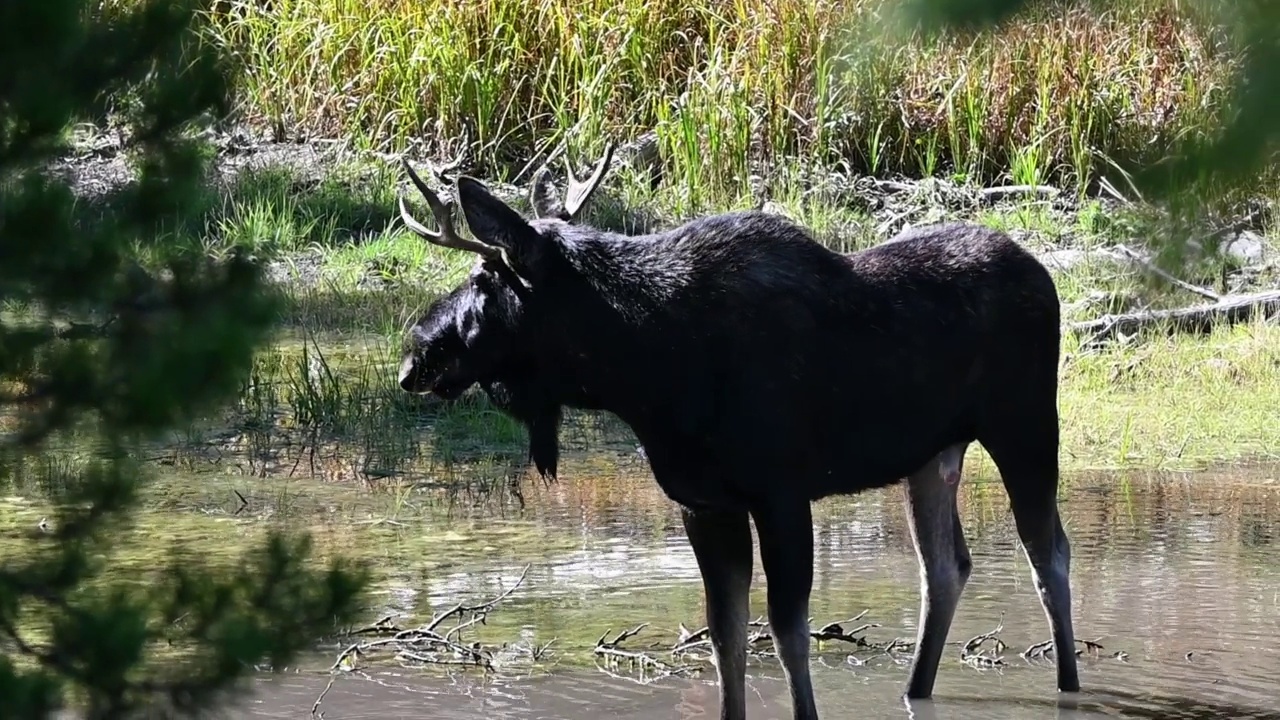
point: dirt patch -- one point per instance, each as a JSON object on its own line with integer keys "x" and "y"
{"x": 98, "y": 165}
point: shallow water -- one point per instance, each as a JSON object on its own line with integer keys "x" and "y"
{"x": 1178, "y": 572}
{"x": 577, "y": 694}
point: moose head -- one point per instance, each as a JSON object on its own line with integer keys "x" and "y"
{"x": 475, "y": 331}
{"x": 479, "y": 333}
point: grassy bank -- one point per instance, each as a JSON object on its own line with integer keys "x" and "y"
{"x": 734, "y": 88}
{"x": 788, "y": 89}
{"x": 322, "y": 399}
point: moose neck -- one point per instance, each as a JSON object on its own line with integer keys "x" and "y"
{"x": 607, "y": 343}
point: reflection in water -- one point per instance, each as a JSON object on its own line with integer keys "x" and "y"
{"x": 1177, "y": 573}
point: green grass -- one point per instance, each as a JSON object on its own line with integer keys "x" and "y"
{"x": 355, "y": 280}
{"x": 327, "y": 390}
{"x": 1056, "y": 94}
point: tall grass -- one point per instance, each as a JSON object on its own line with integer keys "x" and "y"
{"x": 733, "y": 86}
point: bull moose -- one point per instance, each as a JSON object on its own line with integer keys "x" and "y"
{"x": 762, "y": 371}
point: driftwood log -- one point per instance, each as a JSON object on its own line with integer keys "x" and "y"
{"x": 1227, "y": 310}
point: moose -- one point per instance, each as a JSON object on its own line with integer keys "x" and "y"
{"x": 517, "y": 392}
{"x": 762, "y": 371}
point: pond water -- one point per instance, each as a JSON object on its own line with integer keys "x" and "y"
{"x": 1176, "y": 576}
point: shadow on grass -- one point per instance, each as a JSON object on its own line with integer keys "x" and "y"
{"x": 609, "y": 211}
{"x": 275, "y": 208}
{"x": 386, "y": 312}
{"x": 269, "y": 208}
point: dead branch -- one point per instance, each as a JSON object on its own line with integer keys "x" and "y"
{"x": 316, "y": 712}
{"x": 691, "y": 640}
{"x": 622, "y": 637}
{"x": 1005, "y": 192}
{"x": 613, "y": 653}
{"x": 836, "y": 631}
{"x": 426, "y": 644}
{"x": 1042, "y": 650}
{"x": 988, "y": 195}
{"x": 1228, "y": 310}
{"x": 1146, "y": 264}
{"x": 696, "y": 645}
{"x": 971, "y": 655}
{"x": 475, "y": 611}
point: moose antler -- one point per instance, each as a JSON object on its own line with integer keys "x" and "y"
{"x": 579, "y": 192}
{"x": 576, "y": 196}
{"x": 447, "y": 236}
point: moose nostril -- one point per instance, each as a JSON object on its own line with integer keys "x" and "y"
{"x": 408, "y": 374}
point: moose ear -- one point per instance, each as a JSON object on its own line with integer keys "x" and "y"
{"x": 493, "y": 222}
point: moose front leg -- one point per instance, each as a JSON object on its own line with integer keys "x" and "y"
{"x": 721, "y": 543}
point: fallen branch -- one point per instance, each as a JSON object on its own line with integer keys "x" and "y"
{"x": 696, "y": 645}
{"x": 1228, "y": 310}
{"x": 760, "y": 635}
{"x": 426, "y": 644}
{"x": 478, "y": 612}
{"x": 970, "y": 653}
{"x": 836, "y": 631}
{"x": 1005, "y": 192}
{"x": 316, "y": 712}
{"x": 1146, "y": 264}
{"x": 1042, "y": 650}
{"x": 613, "y": 652}
{"x": 969, "y": 193}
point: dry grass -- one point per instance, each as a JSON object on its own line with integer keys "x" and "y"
{"x": 736, "y": 86}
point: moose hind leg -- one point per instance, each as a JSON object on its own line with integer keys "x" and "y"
{"x": 1026, "y": 455}
{"x": 721, "y": 544}
{"x": 786, "y": 551}
{"x": 944, "y": 559}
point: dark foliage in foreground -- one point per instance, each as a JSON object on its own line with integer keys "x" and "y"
{"x": 111, "y": 335}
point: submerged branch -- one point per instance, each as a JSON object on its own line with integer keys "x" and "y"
{"x": 427, "y": 644}
{"x": 695, "y": 646}
{"x": 690, "y": 653}
{"x": 477, "y": 612}
{"x": 613, "y": 653}
{"x": 973, "y": 656}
